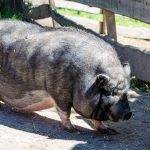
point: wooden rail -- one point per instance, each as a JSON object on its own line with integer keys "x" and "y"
{"x": 76, "y": 6}
{"x": 138, "y": 9}
{"x": 108, "y": 19}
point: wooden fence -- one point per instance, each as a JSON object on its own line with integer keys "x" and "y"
{"x": 139, "y": 9}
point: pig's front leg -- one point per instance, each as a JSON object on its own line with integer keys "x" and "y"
{"x": 65, "y": 118}
{"x": 102, "y": 128}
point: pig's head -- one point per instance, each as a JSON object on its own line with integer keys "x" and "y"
{"x": 105, "y": 98}
{"x": 113, "y": 102}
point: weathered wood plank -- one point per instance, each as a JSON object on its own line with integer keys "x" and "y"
{"x": 39, "y": 12}
{"x": 53, "y": 7}
{"x": 103, "y": 24}
{"x": 138, "y": 59}
{"x": 76, "y": 6}
{"x": 138, "y": 9}
{"x": 111, "y": 24}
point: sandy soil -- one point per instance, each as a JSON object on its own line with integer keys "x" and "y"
{"x": 43, "y": 131}
{"x": 140, "y": 43}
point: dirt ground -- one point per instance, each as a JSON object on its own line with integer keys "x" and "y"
{"x": 42, "y": 130}
{"x": 140, "y": 43}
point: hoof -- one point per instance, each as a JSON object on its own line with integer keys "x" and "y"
{"x": 108, "y": 131}
{"x": 71, "y": 129}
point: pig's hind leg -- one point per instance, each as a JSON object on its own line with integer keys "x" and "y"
{"x": 47, "y": 103}
{"x": 65, "y": 118}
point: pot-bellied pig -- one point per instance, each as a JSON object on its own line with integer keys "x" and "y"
{"x": 66, "y": 68}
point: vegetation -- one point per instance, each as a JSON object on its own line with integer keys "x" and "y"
{"x": 13, "y": 11}
{"x": 139, "y": 85}
{"x": 9, "y": 13}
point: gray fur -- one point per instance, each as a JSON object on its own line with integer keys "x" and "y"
{"x": 64, "y": 63}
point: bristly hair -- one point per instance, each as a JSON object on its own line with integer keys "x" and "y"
{"x": 92, "y": 91}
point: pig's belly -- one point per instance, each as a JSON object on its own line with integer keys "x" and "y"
{"x": 30, "y": 101}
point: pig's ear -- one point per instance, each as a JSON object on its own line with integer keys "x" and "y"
{"x": 102, "y": 80}
{"x": 127, "y": 69}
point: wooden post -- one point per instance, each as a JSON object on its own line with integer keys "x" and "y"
{"x": 52, "y": 5}
{"x": 111, "y": 24}
{"x": 103, "y": 23}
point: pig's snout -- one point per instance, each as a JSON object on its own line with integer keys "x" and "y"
{"x": 127, "y": 116}
{"x": 116, "y": 116}
{"x": 120, "y": 113}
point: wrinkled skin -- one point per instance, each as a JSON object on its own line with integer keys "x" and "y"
{"x": 64, "y": 67}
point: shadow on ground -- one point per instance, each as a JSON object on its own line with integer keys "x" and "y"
{"x": 135, "y": 133}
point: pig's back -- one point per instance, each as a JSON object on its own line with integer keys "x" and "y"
{"x": 69, "y": 47}
{"x": 11, "y": 31}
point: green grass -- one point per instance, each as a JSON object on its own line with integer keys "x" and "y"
{"x": 79, "y": 13}
{"x": 8, "y": 13}
{"x": 140, "y": 85}
{"x": 120, "y": 20}
{"x": 129, "y": 22}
